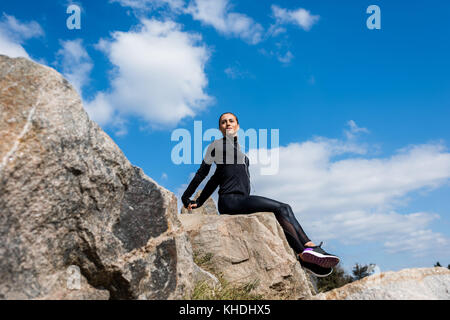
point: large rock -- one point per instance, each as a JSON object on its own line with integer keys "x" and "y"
{"x": 69, "y": 197}
{"x": 407, "y": 284}
{"x": 247, "y": 248}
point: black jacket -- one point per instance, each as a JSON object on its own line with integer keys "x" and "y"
{"x": 232, "y": 174}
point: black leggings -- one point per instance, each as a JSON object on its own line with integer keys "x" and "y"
{"x": 240, "y": 204}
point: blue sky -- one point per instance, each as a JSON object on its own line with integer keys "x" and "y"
{"x": 362, "y": 114}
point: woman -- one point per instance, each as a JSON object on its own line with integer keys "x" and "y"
{"x": 233, "y": 177}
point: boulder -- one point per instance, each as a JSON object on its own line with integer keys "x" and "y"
{"x": 247, "y": 249}
{"x": 69, "y": 197}
{"x": 407, "y": 284}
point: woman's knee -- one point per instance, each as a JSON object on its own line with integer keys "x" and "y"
{"x": 286, "y": 211}
{"x": 283, "y": 209}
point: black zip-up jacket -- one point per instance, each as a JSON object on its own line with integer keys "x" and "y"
{"x": 232, "y": 174}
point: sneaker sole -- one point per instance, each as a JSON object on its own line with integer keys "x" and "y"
{"x": 320, "y": 259}
{"x": 319, "y": 275}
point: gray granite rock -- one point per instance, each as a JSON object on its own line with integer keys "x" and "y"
{"x": 248, "y": 248}
{"x": 69, "y": 196}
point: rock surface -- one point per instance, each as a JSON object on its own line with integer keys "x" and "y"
{"x": 246, "y": 248}
{"x": 407, "y": 284}
{"x": 68, "y": 196}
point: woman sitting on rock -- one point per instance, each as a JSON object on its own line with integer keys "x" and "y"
{"x": 233, "y": 177}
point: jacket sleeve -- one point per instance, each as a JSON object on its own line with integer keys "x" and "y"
{"x": 210, "y": 187}
{"x": 200, "y": 175}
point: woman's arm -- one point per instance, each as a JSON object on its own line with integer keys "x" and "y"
{"x": 200, "y": 175}
{"x": 210, "y": 187}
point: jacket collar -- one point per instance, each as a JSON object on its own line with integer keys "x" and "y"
{"x": 235, "y": 139}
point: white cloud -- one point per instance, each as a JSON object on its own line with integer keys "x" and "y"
{"x": 275, "y": 30}
{"x": 283, "y": 57}
{"x": 218, "y": 14}
{"x": 100, "y": 109}
{"x": 14, "y": 33}
{"x": 300, "y": 17}
{"x": 286, "y": 58}
{"x": 356, "y": 199}
{"x": 10, "y": 48}
{"x": 20, "y": 31}
{"x": 236, "y": 71}
{"x": 159, "y": 75}
{"x": 308, "y": 174}
{"x": 232, "y": 72}
{"x": 75, "y": 63}
{"x": 354, "y": 130}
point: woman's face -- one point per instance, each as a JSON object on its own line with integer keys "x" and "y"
{"x": 228, "y": 124}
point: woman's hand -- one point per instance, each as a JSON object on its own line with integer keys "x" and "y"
{"x": 191, "y": 206}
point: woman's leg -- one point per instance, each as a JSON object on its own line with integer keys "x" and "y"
{"x": 295, "y": 235}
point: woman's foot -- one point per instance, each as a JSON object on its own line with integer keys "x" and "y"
{"x": 316, "y": 255}
{"x": 315, "y": 269}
